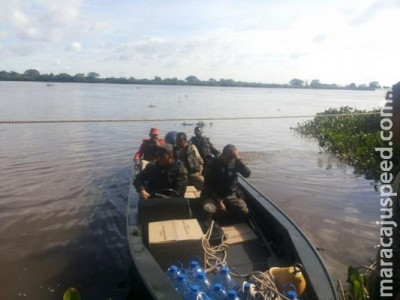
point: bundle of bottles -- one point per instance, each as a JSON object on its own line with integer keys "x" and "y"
{"x": 193, "y": 284}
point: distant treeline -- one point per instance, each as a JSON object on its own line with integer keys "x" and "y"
{"x": 93, "y": 77}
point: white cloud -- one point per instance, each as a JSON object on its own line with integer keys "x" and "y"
{"x": 372, "y": 11}
{"x": 267, "y": 41}
{"x": 45, "y": 20}
{"x": 74, "y": 46}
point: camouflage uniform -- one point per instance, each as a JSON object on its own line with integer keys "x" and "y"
{"x": 221, "y": 181}
{"x": 156, "y": 177}
{"x": 205, "y": 147}
{"x": 193, "y": 163}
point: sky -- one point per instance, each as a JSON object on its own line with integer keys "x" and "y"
{"x": 341, "y": 41}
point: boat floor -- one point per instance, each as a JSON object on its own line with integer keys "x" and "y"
{"x": 247, "y": 257}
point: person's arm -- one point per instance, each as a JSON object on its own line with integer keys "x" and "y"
{"x": 140, "y": 181}
{"x": 212, "y": 148}
{"x": 181, "y": 180}
{"x": 209, "y": 180}
{"x": 239, "y": 165}
{"x": 209, "y": 188}
{"x": 139, "y": 154}
{"x": 201, "y": 161}
{"x": 242, "y": 168}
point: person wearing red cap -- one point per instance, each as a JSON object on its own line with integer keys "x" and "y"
{"x": 148, "y": 149}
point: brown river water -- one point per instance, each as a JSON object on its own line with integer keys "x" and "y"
{"x": 64, "y": 187}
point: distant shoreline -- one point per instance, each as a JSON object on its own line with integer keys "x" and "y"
{"x": 92, "y": 77}
{"x": 265, "y": 86}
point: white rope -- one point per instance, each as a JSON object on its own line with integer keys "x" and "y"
{"x": 215, "y": 256}
{"x": 265, "y": 287}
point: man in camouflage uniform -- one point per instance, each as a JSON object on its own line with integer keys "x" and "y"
{"x": 203, "y": 144}
{"x": 189, "y": 155}
{"x": 163, "y": 173}
{"x": 221, "y": 191}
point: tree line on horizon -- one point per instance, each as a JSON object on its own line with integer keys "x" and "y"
{"x": 93, "y": 77}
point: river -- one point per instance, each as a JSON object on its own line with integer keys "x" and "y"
{"x": 64, "y": 187}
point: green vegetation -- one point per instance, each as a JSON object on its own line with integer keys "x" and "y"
{"x": 357, "y": 285}
{"x": 316, "y": 84}
{"x": 352, "y": 138}
{"x": 93, "y": 77}
{"x": 71, "y": 294}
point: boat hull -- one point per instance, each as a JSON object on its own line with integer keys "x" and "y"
{"x": 286, "y": 243}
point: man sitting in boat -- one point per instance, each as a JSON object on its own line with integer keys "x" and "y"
{"x": 221, "y": 192}
{"x": 189, "y": 155}
{"x": 165, "y": 173}
{"x": 148, "y": 149}
{"x": 203, "y": 144}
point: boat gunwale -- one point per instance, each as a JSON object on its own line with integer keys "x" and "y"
{"x": 142, "y": 256}
{"x": 280, "y": 217}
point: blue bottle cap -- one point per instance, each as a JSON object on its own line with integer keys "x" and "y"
{"x": 247, "y": 286}
{"x": 173, "y": 269}
{"x": 224, "y": 270}
{"x": 231, "y": 294}
{"x": 291, "y": 294}
{"x": 201, "y": 275}
{"x": 217, "y": 287}
{"x": 182, "y": 277}
{"x": 194, "y": 288}
{"x": 193, "y": 264}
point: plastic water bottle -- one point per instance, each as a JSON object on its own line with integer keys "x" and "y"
{"x": 217, "y": 292}
{"x": 172, "y": 273}
{"x": 232, "y": 295}
{"x": 289, "y": 290}
{"x": 193, "y": 292}
{"x": 202, "y": 281}
{"x": 194, "y": 268}
{"x": 203, "y": 296}
{"x": 181, "y": 285}
{"x": 245, "y": 293}
{"x": 228, "y": 283}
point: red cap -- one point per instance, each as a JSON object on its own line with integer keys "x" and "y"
{"x": 154, "y": 131}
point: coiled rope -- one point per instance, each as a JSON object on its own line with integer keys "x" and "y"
{"x": 180, "y": 119}
{"x": 264, "y": 286}
{"x": 215, "y": 256}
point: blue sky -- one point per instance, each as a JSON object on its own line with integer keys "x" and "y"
{"x": 265, "y": 41}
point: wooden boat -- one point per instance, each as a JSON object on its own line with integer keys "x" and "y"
{"x": 279, "y": 243}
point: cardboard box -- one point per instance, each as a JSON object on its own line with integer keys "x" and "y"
{"x": 239, "y": 233}
{"x": 190, "y": 195}
{"x": 191, "y": 192}
{"x": 191, "y": 188}
{"x": 175, "y": 241}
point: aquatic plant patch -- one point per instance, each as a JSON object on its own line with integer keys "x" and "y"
{"x": 350, "y": 134}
